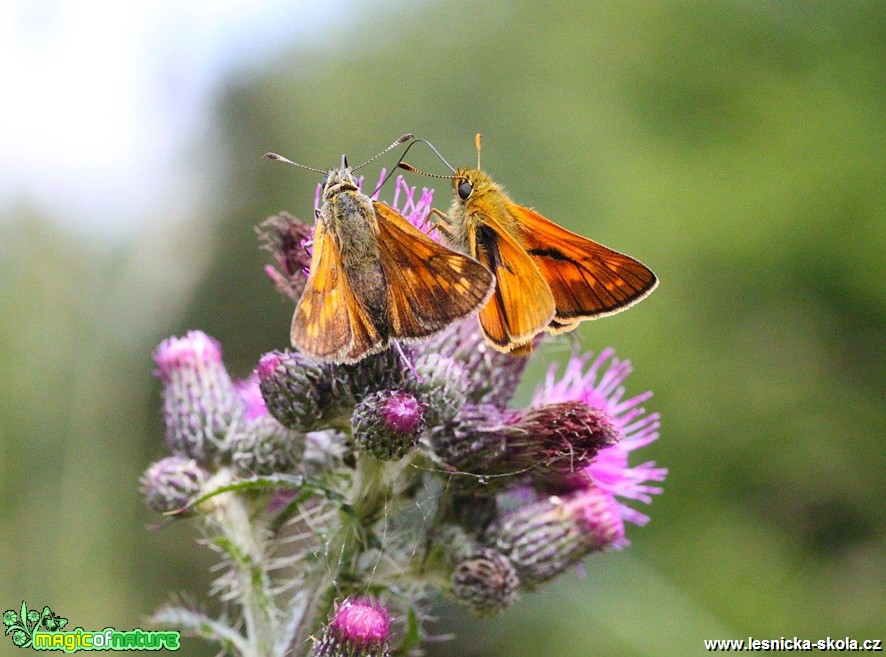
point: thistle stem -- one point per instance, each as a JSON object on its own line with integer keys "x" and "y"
{"x": 245, "y": 549}
{"x": 347, "y": 539}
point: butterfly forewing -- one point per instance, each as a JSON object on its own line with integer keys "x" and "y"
{"x": 321, "y": 325}
{"x": 429, "y": 285}
{"x": 587, "y": 279}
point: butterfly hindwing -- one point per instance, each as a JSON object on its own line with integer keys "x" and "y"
{"x": 429, "y": 285}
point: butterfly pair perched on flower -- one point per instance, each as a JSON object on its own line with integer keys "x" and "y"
{"x": 375, "y": 278}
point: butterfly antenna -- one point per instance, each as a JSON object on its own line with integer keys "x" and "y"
{"x": 431, "y": 146}
{"x": 477, "y": 139}
{"x": 280, "y": 158}
{"x": 401, "y": 140}
{"x": 408, "y": 167}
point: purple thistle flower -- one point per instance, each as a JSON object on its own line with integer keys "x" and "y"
{"x": 599, "y": 385}
{"x": 551, "y": 444}
{"x": 287, "y": 238}
{"x": 416, "y": 211}
{"x": 402, "y": 413}
{"x": 359, "y": 627}
{"x": 195, "y": 350}
{"x": 200, "y": 403}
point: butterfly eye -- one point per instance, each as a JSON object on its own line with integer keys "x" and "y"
{"x": 464, "y": 190}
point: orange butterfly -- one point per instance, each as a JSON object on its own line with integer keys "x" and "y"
{"x": 374, "y": 277}
{"x": 547, "y": 278}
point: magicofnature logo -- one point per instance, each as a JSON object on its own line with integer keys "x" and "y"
{"x": 45, "y": 631}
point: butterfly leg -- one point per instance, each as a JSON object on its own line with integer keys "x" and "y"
{"x": 441, "y": 223}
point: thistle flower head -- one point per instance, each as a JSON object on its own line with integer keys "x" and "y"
{"x": 559, "y": 438}
{"x": 384, "y": 370}
{"x": 416, "y": 210}
{"x": 298, "y": 392}
{"x": 472, "y": 442}
{"x": 491, "y": 376}
{"x": 388, "y": 424}
{"x": 200, "y": 403}
{"x": 171, "y": 483}
{"x": 265, "y": 447}
{"x": 288, "y": 240}
{"x": 440, "y": 384}
{"x": 598, "y": 383}
{"x": 544, "y": 538}
{"x": 194, "y": 351}
{"x": 548, "y": 443}
{"x": 485, "y": 581}
{"x": 359, "y": 627}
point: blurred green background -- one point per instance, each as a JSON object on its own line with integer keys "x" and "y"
{"x": 738, "y": 148}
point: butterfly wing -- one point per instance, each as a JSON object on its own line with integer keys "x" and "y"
{"x": 429, "y": 285}
{"x": 329, "y": 324}
{"x": 588, "y": 280}
{"x": 522, "y": 304}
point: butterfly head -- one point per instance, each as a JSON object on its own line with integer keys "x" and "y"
{"x": 339, "y": 180}
{"x": 470, "y": 184}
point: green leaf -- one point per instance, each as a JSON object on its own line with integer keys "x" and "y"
{"x": 253, "y": 483}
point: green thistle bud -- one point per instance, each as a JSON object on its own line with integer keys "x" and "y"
{"x": 440, "y": 383}
{"x": 485, "y": 581}
{"x": 298, "y": 392}
{"x": 171, "y": 483}
{"x": 266, "y": 447}
{"x": 473, "y": 440}
{"x": 492, "y": 377}
{"x": 379, "y": 371}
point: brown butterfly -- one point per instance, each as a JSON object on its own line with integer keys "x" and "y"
{"x": 547, "y": 278}
{"x": 374, "y": 277}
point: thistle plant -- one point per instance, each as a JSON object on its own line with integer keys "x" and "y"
{"x": 343, "y": 500}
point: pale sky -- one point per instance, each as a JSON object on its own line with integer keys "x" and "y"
{"x": 98, "y": 98}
